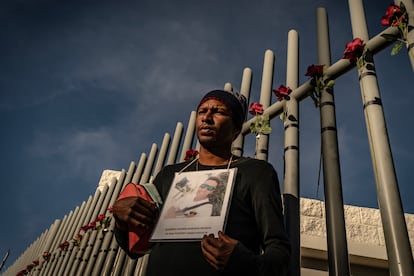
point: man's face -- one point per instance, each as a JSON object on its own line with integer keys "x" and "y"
{"x": 205, "y": 189}
{"x": 214, "y": 124}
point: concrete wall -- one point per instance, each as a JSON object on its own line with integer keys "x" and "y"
{"x": 366, "y": 244}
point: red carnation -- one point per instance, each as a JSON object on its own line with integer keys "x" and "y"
{"x": 354, "y": 49}
{"x": 282, "y": 92}
{"x": 64, "y": 245}
{"x": 100, "y": 217}
{"x": 393, "y": 16}
{"x": 314, "y": 71}
{"x": 256, "y": 108}
{"x": 46, "y": 255}
{"x": 190, "y": 154}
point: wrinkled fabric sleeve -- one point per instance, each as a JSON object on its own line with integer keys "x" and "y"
{"x": 267, "y": 207}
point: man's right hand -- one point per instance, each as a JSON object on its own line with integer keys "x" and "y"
{"x": 134, "y": 211}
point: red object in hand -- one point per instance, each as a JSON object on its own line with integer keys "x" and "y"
{"x": 138, "y": 236}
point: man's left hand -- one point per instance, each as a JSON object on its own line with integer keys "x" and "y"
{"x": 217, "y": 251}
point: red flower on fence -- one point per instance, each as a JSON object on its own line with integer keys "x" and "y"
{"x": 396, "y": 16}
{"x": 354, "y": 50}
{"x": 262, "y": 124}
{"x": 282, "y": 93}
{"x": 77, "y": 239}
{"x": 91, "y": 225}
{"x": 190, "y": 155}
{"x": 36, "y": 262}
{"x": 64, "y": 246}
{"x": 315, "y": 71}
{"x": 256, "y": 108}
{"x": 100, "y": 217}
{"x": 102, "y": 222}
{"x": 46, "y": 255}
{"x": 29, "y": 267}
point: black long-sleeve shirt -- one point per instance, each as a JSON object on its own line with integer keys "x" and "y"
{"x": 255, "y": 219}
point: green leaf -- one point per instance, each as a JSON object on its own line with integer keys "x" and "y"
{"x": 266, "y": 130}
{"x": 390, "y": 37}
{"x": 252, "y": 128}
{"x": 330, "y": 83}
{"x": 396, "y": 49}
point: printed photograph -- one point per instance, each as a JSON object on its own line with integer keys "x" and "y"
{"x": 197, "y": 203}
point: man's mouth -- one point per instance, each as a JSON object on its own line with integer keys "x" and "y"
{"x": 206, "y": 130}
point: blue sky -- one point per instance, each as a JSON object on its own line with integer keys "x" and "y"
{"x": 90, "y": 85}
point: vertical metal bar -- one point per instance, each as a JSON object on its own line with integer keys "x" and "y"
{"x": 334, "y": 209}
{"x": 175, "y": 145}
{"x": 400, "y": 258}
{"x": 149, "y": 165}
{"x": 140, "y": 168}
{"x": 162, "y": 154}
{"x": 228, "y": 87}
{"x": 189, "y": 135}
{"x": 262, "y": 141}
{"x": 127, "y": 178}
{"x": 238, "y": 144}
{"x": 291, "y": 198}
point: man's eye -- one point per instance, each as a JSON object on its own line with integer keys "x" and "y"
{"x": 223, "y": 112}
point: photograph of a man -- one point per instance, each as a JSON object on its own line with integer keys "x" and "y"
{"x": 205, "y": 200}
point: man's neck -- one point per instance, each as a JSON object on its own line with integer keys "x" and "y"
{"x": 211, "y": 158}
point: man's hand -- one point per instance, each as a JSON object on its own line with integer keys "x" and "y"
{"x": 217, "y": 251}
{"x": 134, "y": 211}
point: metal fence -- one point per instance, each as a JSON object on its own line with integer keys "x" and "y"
{"x": 60, "y": 250}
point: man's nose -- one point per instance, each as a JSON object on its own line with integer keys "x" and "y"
{"x": 208, "y": 117}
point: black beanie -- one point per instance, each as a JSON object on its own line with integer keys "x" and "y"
{"x": 236, "y": 102}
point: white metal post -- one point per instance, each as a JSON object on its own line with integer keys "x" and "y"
{"x": 291, "y": 197}
{"x": 400, "y": 257}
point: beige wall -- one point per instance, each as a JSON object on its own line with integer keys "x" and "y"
{"x": 366, "y": 244}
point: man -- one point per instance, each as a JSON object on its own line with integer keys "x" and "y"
{"x": 254, "y": 241}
